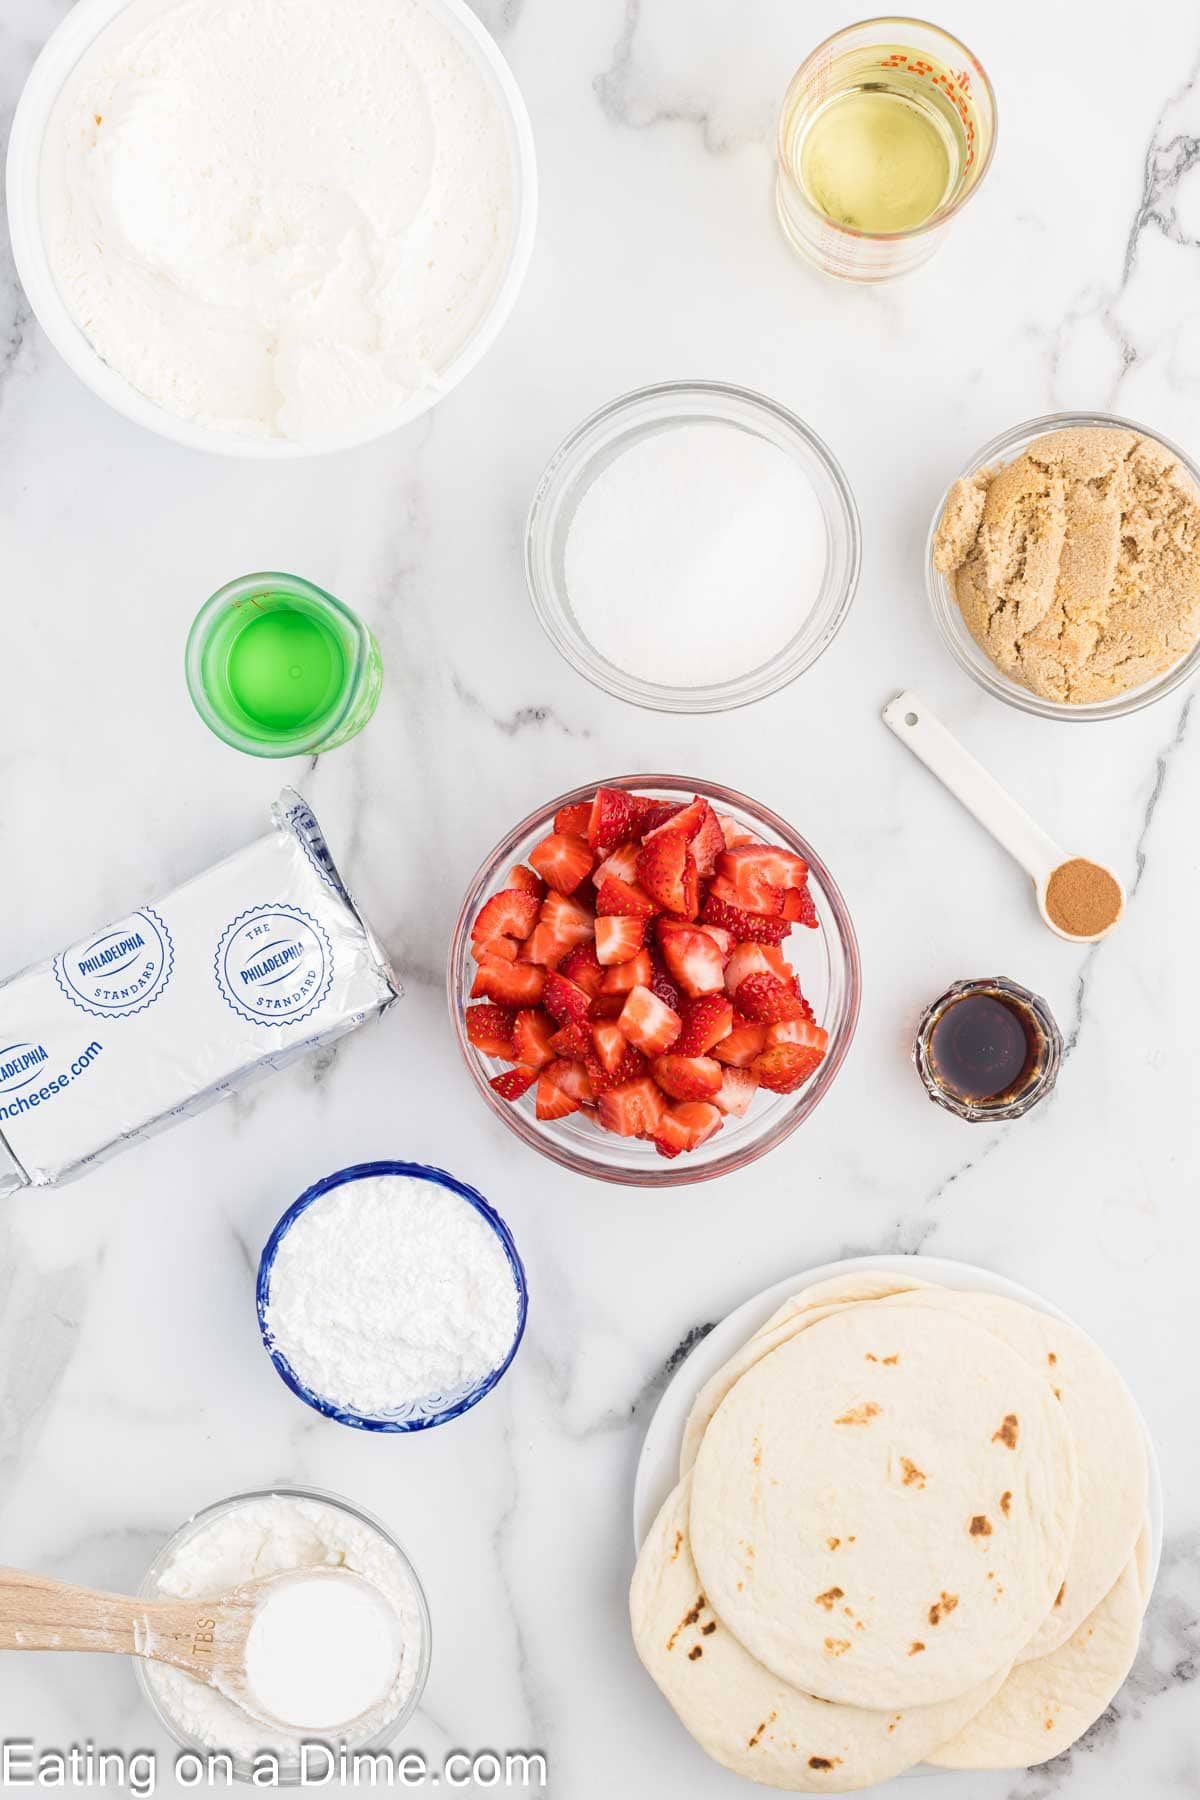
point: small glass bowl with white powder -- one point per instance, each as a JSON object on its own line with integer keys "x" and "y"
{"x": 391, "y": 1297}
{"x": 692, "y": 547}
{"x": 255, "y": 1535}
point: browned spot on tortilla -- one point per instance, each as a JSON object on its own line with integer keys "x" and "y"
{"x": 860, "y": 1415}
{"x": 707, "y": 1630}
{"x": 1006, "y": 1502}
{"x": 1057, "y": 1392}
{"x": 99, "y": 118}
{"x": 1049, "y": 1724}
{"x": 1059, "y": 1596}
{"x": 678, "y": 1545}
{"x": 837, "y": 1646}
{"x": 940, "y": 1608}
{"x": 695, "y": 1653}
{"x": 850, "y": 1540}
{"x": 689, "y": 1618}
{"x": 981, "y": 1525}
{"x": 889, "y": 1362}
{"x": 892, "y": 1723}
{"x": 913, "y": 1477}
{"x": 828, "y": 1597}
{"x": 1051, "y": 1358}
{"x": 752, "y": 1741}
{"x": 915, "y": 1648}
{"x": 871, "y": 1356}
{"x": 832, "y": 1543}
{"x": 1007, "y": 1433}
{"x": 824, "y": 1762}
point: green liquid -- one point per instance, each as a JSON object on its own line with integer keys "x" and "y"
{"x": 285, "y": 670}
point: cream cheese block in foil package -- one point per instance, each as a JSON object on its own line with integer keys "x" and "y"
{"x": 179, "y": 1004}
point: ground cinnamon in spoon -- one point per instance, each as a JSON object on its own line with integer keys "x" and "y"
{"x": 1083, "y": 898}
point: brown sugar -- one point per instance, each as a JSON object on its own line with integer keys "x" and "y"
{"x": 1082, "y": 898}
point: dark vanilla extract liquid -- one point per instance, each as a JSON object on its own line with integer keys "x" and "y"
{"x": 984, "y": 1049}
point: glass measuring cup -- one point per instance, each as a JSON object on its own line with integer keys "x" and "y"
{"x": 939, "y": 72}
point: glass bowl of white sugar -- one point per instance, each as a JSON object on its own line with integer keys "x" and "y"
{"x": 692, "y": 547}
{"x": 391, "y": 1297}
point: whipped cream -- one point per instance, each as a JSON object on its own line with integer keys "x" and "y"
{"x": 279, "y": 220}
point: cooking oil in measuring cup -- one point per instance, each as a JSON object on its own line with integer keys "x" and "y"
{"x": 881, "y": 139}
{"x": 885, "y": 154}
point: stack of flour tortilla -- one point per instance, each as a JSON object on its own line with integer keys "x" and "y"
{"x": 910, "y": 1526}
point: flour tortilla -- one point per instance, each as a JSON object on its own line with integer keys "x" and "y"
{"x": 1045, "y": 1705}
{"x": 797, "y": 1313}
{"x": 890, "y": 1478}
{"x": 1110, "y": 1447}
{"x": 743, "y": 1716}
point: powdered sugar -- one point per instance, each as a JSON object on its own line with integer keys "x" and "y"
{"x": 389, "y": 1290}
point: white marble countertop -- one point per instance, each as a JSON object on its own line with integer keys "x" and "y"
{"x": 132, "y": 1385}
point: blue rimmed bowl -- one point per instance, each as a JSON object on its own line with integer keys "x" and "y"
{"x": 430, "y": 1409}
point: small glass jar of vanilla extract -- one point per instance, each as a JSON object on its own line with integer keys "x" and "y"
{"x": 988, "y": 1050}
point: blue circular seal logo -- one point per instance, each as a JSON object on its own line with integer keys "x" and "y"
{"x": 274, "y": 965}
{"x": 121, "y": 971}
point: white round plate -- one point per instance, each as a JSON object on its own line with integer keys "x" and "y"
{"x": 658, "y": 1465}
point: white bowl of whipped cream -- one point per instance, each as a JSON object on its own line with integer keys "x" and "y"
{"x": 271, "y": 230}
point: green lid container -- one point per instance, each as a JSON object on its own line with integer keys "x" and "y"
{"x": 278, "y": 667}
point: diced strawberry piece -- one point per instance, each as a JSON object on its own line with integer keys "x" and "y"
{"x": 543, "y": 946}
{"x": 507, "y": 949}
{"x": 746, "y": 1041}
{"x": 738, "y": 1088}
{"x": 759, "y": 873}
{"x": 553, "y": 1101}
{"x": 490, "y": 1029}
{"x": 767, "y": 999}
{"x": 755, "y": 959}
{"x": 692, "y": 958}
{"x": 572, "y": 1078}
{"x": 649, "y": 1024}
{"x": 660, "y": 982}
{"x": 573, "y": 1042}
{"x": 724, "y": 940}
{"x": 746, "y": 927}
{"x": 699, "y": 823}
{"x": 573, "y": 820}
{"x": 786, "y": 1067}
{"x": 733, "y": 833}
{"x": 610, "y": 1046}
{"x": 509, "y": 984}
{"x": 619, "y": 938}
{"x": 649, "y": 814}
{"x": 632, "y": 1067}
{"x": 607, "y": 1007}
{"x": 526, "y": 881}
{"x": 620, "y": 866}
{"x": 691, "y": 890}
{"x": 798, "y": 905}
{"x": 531, "y": 1039}
{"x": 567, "y": 919}
{"x": 768, "y": 901}
{"x": 510, "y": 914}
{"x": 513, "y": 1083}
{"x": 563, "y": 861}
{"x": 686, "y": 820}
{"x": 662, "y": 867}
{"x": 624, "y": 899}
{"x": 582, "y": 966}
{"x": 705, "y": 1022}
{"x": 685, "y": 1126}
{"x": 634, "y": 1109}
{"x": 565, "y": 1001}
{"x": 687, "y": 1077}
{"x": 611, "y": 820}
{"x": 801, "y": 1030}
{"x": 622, "y": 977}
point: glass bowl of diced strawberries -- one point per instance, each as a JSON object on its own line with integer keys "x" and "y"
{"x": 654, "y": 980}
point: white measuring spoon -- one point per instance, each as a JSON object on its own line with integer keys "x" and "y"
{"x": 1038, "y": 854}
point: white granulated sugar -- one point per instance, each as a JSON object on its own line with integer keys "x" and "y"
{"x": 278, "y": 219}
{"x": 388, "y": 1290}
{"x": 265, "y": 1536}
{"x": 696, "y": 555}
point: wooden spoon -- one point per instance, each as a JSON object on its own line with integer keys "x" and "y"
{"x": 205, "y": 1638}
